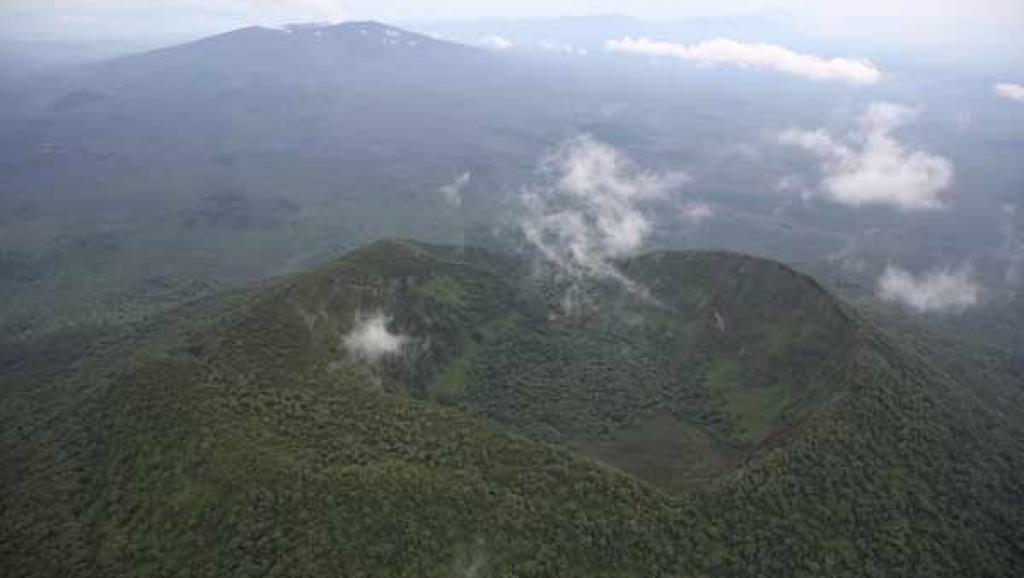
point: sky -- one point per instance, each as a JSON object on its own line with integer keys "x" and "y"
{"x": 982, "y": 36}
{"x": 917, "y": 23}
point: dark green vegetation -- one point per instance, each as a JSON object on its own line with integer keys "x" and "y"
{"x": 736, "y": 421}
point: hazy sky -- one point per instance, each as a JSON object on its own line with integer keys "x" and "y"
{"x": 950, "y": 26}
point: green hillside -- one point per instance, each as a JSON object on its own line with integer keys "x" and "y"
{"x": 722, "y": 416}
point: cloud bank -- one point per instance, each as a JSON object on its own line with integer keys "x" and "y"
{"x": 370, "y": 338}
{"x": 593, "y": 212}
{"x": 1009, "y": 90}
{"x": 756, "y": 56}
{"x": 452, "y": 192}
{"x": 874, "y": 168}
{"x": 937, "y": 291}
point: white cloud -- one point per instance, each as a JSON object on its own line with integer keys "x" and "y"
{"x": 593, "y": 212}
{"x": 697, "y": 212}
{"x": 563, "y": 48}
{"x": 941, "y": 290}
{"x": 757, "y": 56}
{"x": 452, "y": 192}
{"x": 872, "y": 167}
{"x": 370, "y": 338}
{"x": 497, "y": 42}
{"x": 1009, "y": 91}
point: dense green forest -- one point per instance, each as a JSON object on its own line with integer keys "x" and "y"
{"x": 718, "y": 415}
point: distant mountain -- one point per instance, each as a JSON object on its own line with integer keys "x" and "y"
{"x": 135, "y": 183}
{"x": 258, "y": 89}
{"x": 415, "y": 410}
{"x": 322, "y": 136}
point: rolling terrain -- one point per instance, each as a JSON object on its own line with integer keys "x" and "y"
{"x": 133, "y": 184}
{"x": 420, "y": 410}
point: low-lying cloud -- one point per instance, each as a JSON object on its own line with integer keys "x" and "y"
{"x": 937, "y": 291}
{"x": 452, "y": 192}
{"x": 370, "y": 339}
{"x": 855, "y": 71}
{"x": 592, "y": 212}
{"x": 696, "y": 212}
{"x": 1009, "y": 90}
{"x": 496, "y": 42}
{"x": 872, "y": 167}
{"x": 562, "y": 48}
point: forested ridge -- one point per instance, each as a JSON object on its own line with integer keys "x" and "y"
{"x": 732, "y": 419}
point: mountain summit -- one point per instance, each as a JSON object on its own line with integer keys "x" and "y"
{"x": 350, "y": 39}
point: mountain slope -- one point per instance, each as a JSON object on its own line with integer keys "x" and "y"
{"x": 170, "y": 166}
{"x": 352, "y": 91}
{"x": 747, "y": 421}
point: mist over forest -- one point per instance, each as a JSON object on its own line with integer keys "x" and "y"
{"x": 587, "y": 288}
